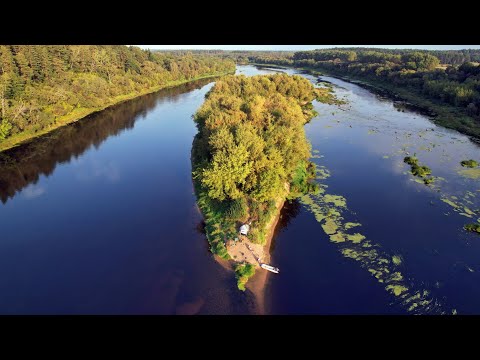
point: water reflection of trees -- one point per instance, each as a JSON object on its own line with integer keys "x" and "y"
{"x": 290, "y": 211}
{"x": 24, "y": 164}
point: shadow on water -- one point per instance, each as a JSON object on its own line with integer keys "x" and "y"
{"x": 24, "y": 164}
{"x": 290, "y": 210}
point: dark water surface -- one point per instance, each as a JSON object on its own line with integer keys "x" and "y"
{"x": 99, "y": 217}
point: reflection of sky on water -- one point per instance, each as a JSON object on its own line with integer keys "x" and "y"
{"x": 33, "y": 191}
{"x": 90, "y": 169}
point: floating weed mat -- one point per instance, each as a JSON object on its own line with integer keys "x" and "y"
{"x": 329, "y": 210}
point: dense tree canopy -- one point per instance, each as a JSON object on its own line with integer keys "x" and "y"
{"x": 41, "y": 84}
{"x": 250, "y": 148}
{"x": 254, "y": 137}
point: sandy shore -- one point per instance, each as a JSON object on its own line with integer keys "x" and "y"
{"x": 247, "y": 251}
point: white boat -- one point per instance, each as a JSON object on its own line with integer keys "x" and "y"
{"x": 270, "y": 268}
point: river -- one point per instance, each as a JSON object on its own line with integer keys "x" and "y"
{"x": 99, "y": 217}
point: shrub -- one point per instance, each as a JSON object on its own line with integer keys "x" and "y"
{"x": 5, "y": 129}
{"x": 243, "y": 272}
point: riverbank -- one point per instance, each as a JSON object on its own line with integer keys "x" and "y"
{"x": 441, "y": 113}
{"x": 258, "y": 282}
{"x": 79, "y": 114}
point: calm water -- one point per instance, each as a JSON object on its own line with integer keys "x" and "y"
{"x": 99, "y": 217}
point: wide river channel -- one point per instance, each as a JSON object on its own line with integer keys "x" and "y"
{"x": 99, "y": 217}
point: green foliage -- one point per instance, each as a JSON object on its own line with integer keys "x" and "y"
{"x": 40, "y": 84}
{"x": 300, "y": 184}
{"x": 469, "y": 163}
{"x": 5, "y": 128}
{"x": 237, "y": 209}
{"x": 254, "y": 137}
{"x": 473, "y": 227}
{"x": 243, "y": 272}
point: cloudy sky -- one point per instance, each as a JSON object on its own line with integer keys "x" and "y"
{"x": 305, "y": 47}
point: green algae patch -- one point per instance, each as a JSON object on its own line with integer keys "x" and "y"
{"x": 449, "y": 202}
{"x": 337, "y": 237}
{"x": 410, "y": 160}
{"x": 377, "y": 274}
{"x": 386, "y": 157}
{"x": 328, "y": 210}
{"x": 469, "y": 163}
{"x": 350, "y": 225}
{"x": 397, "y": 290}
{"x": 473, "y": 228}
{"x": 470, "y": 173}
{"x": 330, "y": 227}
{"x": 355, "y": 238}
{"x": 336, "y": 200}
{"x": 396, "y": 276}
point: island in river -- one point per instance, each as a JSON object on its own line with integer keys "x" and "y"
{"x": 249, "y": 155}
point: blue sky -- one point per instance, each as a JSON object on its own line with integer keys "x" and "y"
{"x": 305, "y": 47}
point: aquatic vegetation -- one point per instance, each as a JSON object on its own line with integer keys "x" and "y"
{"x": 421, "y": 171}
{"x": 337, "y": 237}
{"x": 350, "y": 225}
{"x": 473, "y": 227}
{"x": 397, "y": 259}
{"x": 335, "y": 200}
{"x": 428, "y": 180}
{"x": 328, "y": 210}
{"x": 355, "y": 238}
{"x": 326, "y": 95}
{"x": 470, "y": 173}
{"x": 410, "y": 160}
{"x": 416, "y": 169}
{"x": 330, "y": 226}
{"x": 397, "y": 290}
{"x": 469, "y": 163}
{"x": 450, "y": 202}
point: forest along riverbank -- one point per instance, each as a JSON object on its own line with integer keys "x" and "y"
{"x": 46, "y": 87}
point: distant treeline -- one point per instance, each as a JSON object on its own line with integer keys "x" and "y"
{"x": 42, "y": 87}
{"x": 240, "y": 56}
{"x": 448, "y": 57}
{"x": 416, "y": 72}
